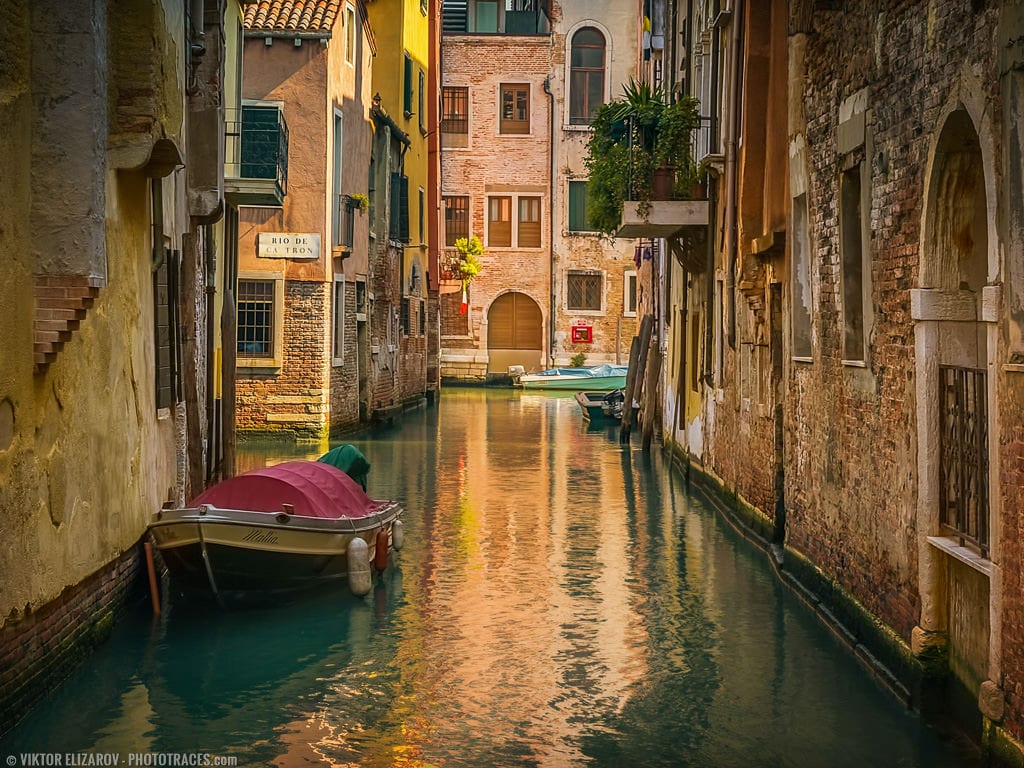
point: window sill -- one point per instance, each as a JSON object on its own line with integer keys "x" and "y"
{"x": 805, "y": 360}
{"x": 258, "y": 365}
{"x": 855, "y": 363}
{"x": 966, "y": 556}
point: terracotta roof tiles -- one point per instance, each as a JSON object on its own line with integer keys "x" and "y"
{"x": 311, "y": 16}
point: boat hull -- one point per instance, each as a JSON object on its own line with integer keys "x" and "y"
{"x": 236, "y": 553}
{"x": 573, "y": 383}
{"x": 597, "y": 378}
{"x": 593, "y": 405}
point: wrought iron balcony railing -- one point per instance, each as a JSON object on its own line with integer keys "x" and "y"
{"x": 489, "y": 17}
{"x": 448, "y": 264}
{"x": 256, "y": 157}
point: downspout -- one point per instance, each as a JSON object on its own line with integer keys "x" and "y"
{"x": 197, "y": 40}
{"x": 212, "y": 441}
{"x": 713, "y": 146}
{"x": 732, "y": 129}
{"x": 551, "y": 223}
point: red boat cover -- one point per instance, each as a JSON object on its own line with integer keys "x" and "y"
{"x": 314, "y": 489}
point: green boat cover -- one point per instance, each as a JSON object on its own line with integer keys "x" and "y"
{"x": 349, "y": 460}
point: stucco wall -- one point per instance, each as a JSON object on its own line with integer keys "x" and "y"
{"x": 84, "y": 454}
{"x": 613, "y": 331}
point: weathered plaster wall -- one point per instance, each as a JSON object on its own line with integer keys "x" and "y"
{"x": 292, "y": 398}
{"x": 350, "y": 90}
{"x": 84, "y": 453}
{"x": 613, "y": 332}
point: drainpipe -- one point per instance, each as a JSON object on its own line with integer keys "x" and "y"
{"x": 551, "y": 224}
{"x": 713, "y": 146}
{"x": 197, "y": 40}
{"x": 732, "y": 129}
{"x": 212, "y": 443}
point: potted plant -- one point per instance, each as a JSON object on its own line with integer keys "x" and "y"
{"x": 639, "y": 149}
{"x": 358, "y": 202}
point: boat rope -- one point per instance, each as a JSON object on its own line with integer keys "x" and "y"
{"x": 209, "y": 569}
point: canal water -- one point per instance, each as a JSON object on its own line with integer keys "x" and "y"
{"x": 561, "y": 600}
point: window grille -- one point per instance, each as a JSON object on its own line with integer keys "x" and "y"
{"x": 963, "y": 483}
{"x": 583, "y": 291}
{"x": 256, "y": 318}
{"x": 454, "y": 110}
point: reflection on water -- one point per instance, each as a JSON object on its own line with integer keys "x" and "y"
{"x": 560, "y": 601}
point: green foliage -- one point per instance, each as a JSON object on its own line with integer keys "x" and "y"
{"x": 578, "y": 360}
{"x": 470, "y": 266}
{"x": 469, "y": 246}
{"x": 359, "y": 202}
{"x": 631, "y": 137}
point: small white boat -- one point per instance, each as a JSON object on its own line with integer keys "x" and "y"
{"x": 595, "y": 377}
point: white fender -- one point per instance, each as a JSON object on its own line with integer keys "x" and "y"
{"x": 360, "y": 577}
{"x": 397, "y": 535}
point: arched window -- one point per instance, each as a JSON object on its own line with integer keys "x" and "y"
{"x": 586, "y": 78}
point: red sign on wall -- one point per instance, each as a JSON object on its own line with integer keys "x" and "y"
{"x": 582, "y": 334}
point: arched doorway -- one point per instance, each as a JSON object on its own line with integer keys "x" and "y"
{"x": 515, "y": 333}
{"x": 955, "y": 341}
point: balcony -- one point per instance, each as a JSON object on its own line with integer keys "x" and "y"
{"x": 674, "y": 206}
{"x": 344, "y": 222}
{"x": 256, "y": 167}
{"x": 488, "y": 17}
{"x": 449, "y": 277}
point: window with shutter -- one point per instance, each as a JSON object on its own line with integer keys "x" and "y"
{"x": 407, "y": 95}
{"x": 398, "y": 228}
{"x": 529, "y": 222}
{"x": 515, "y": 109}
{"x": 578, "y": 207}
{"x": 499, "y": 222}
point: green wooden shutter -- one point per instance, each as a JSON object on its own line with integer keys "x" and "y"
{"x": 407, "y": 96}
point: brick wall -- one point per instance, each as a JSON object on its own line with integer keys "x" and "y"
{"x": 292, "y": 400}
{"x": 852, "y": 485}
{"x": 1011, "y": 475}
{"x": 498, "y": 164}
{"x": 42, "y": 649}
{"x": 345, "y": 377}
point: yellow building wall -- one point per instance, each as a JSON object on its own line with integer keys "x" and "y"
{"x": 85, "y": 456}
{"x": 400, "y": 27}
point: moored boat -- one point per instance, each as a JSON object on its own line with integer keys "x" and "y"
{"x": 276, "y": 530}
{"x": 593, "y": 405}
{"x": 602, "y": 408}
{"x": 595, "y": 377}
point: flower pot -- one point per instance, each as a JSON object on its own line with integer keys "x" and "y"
{"x": 662, "y": 183}
{"x": 699, "y": 190}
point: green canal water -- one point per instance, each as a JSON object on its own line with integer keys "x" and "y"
{"x": 561, "y": 600}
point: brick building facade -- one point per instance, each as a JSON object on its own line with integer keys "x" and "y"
{"x": 513, "y": 175}
{"x": 862, "y": 392}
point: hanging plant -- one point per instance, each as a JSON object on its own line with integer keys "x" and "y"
{"x": 470, "y": 249}
{"x": 359, "y": 202}
{"x": 630, "y": 138}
